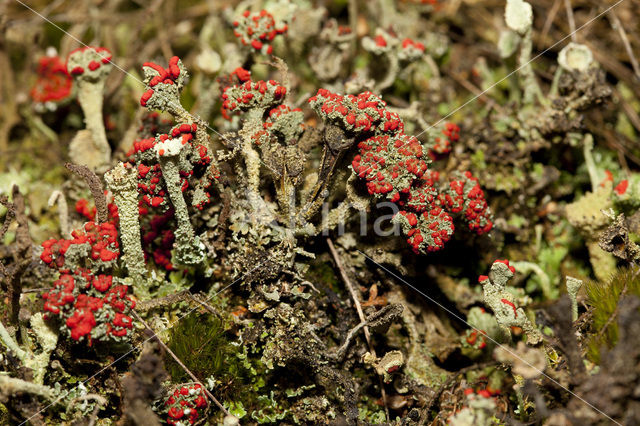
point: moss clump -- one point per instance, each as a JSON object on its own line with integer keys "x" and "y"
{"x": 199, "y": 341}
{"x": 604, "y": 298}
{"x": 202, "y": 342}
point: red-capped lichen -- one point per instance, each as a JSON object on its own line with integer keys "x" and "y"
{"x": 54, "y": 82}
{"x": 185, "y": 405}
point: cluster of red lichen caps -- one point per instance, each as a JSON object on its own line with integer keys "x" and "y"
{"x": 393, "y": 165}
{"x": 286, "y": 122}
{"x": 54, "y": 82}
{"x": 390, "y": 164}
{"x": 87, "y": 60}
{"x": 620, "y": 188}
{"x": 387, "y": 42}
{"x": 485, "y": 393}
{"x": 249, "y": 94}
{"x": 167, "y": 75}
{"x": 185, "y": 404}
{"x": 84, "y": 209}
{"x": 86, "y": 299}
{"x": 465, "y": 195}
{"x": 443, "y": 140}
{"x": 99, "y": 242}
{"x": 364, "y": 113}
{"x": 258, "y": 30}
{"x": 144, "y": 158}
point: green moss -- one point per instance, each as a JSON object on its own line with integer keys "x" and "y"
{"x": 199, "y": 341}
{"x": 604, "y": 298}
{"x": 324, "y": 273}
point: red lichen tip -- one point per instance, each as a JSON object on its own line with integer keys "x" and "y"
{"x": 506, "y": 262}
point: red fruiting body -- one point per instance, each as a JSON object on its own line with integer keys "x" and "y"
{"x": 362, "y": 114}
{"x": 465, "y": 195}
{"x": 185, "y": 404}
{"x": 98, "y": 242}
{"x": 242, "y": 74}
{"x": 284, "y": 122}
{"x": 83, "y": 208}
{"x": 508, "y": 302}
{"x": 196, "y": 172}
{"x": 258, "y": 30}
{"x": 621, "y": 188}
{"x": 407, "y": 43}
{"x": 380, "y": 41}
{"x": 484, "y": 393}
{"x": 53, "y": 83}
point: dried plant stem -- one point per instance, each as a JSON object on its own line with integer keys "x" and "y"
{"x": 95, "y": 185}
{"x": 617, "y": 25}
{"x": 570, "y": 18}
{"x": 363, "y": 319}
{"x": 22, "y": 251}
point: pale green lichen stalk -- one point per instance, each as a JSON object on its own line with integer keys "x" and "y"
{"x": 573, "y": 286}
{"x": 95, "y": 67}
{"x": 189, "y": 250}
{"x": 519, "y": 18}
{"x": 122, "y": 182}
{"x": 38, "y": 363}
{"x": 502, "y": 302}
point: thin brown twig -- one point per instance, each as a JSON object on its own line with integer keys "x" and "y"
{"x": 203, "y": 303}
{"x": 181, "y": 364}
{"x": 482, "y": 96}
{"x": 363, "y": 319}
{"x": 617, "y": 25}
{"x": 570, "y": 18}
{"x": 21, "y": 251}
{"x": 550, "y": 18}
{"x": 352, "y": 291}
